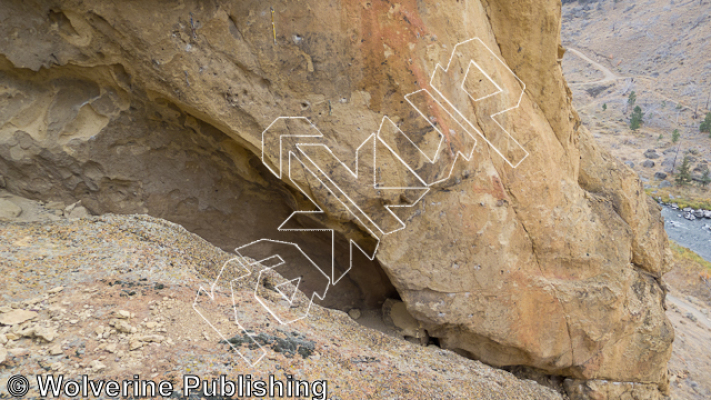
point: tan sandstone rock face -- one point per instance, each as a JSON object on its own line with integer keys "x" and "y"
{"x": 541, "y": 251}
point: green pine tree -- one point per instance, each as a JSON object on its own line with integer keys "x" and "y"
{"x": 684, "y": 176}
{"x": 636, "y": 118}
{"x": 705, "y": 178}
{"x": 676, "y": 136}
{"x": 632, "y": 99}
{"x": 706, "y": 124}
{"x": 604, "y": 107}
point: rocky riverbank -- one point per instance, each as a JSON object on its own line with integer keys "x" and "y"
{"x": 690, "y": 228}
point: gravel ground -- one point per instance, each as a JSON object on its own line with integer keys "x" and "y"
{"x": 113, "y": 296}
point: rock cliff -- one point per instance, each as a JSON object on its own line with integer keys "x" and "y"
{"x": 518, "y": 241}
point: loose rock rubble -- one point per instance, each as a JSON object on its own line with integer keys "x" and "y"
{"x": 688, "y": 212}
{"x": 112, "y": 297}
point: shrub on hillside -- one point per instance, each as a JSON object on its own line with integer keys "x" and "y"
{"x": 706, "y": 124}
{"x": 636, "y": 118}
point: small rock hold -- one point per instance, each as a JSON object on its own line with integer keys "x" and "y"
{"x": 395, "y": 314}
{"x": 54, "y": 205}
{"x": 46, "y": 334}
{"x": 18, "y": 352}
{"x": 9, "y": 210}
{"x": 159, "y": 338}
{"x": 134, "y": 344}
{"x": 71, "y": 207}
{"x": 55, "y": 350}
{"x": 354, "y": 313}
{"x": 79, "y": 212}
{"x": 97, "y": 365}
{"x": 55, "y": 290}
{"x": 121, "y": 326}
{"x": 15, "y": 317}
{"x": 31, "y": 302}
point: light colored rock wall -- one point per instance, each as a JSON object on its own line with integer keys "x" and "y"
{"x": 554, "y": 264}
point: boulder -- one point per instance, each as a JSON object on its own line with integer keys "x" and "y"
{"x": 698, "y": 213}
{"x": 9, "y": 210}
{"x": 147, "y": 112}
{"x": 651, "y": 154}
{"x": 354, "y": 313}
{"x": 669, "y": 163}
{"x": 78, "y": 212}
{"x": 16, "y": 317}
{"x": 665, "y": 184}
{"x": 707, "y": 214}
{"x": 648, "y": 164}
{"x": 660, "y": 175}
{"x": 395, "y": 315}
{"x": 45, "y": 333}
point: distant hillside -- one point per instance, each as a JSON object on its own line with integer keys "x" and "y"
{"x": 667, "y": 42}
{"x": 660, "y": 51}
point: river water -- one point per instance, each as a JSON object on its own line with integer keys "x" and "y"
{"x": 694, "y": 235}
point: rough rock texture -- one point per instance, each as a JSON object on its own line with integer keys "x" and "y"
{"x": 602, "y": 390}
{"x": 151, "y": 108}
{"x": 148, "y": 277}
